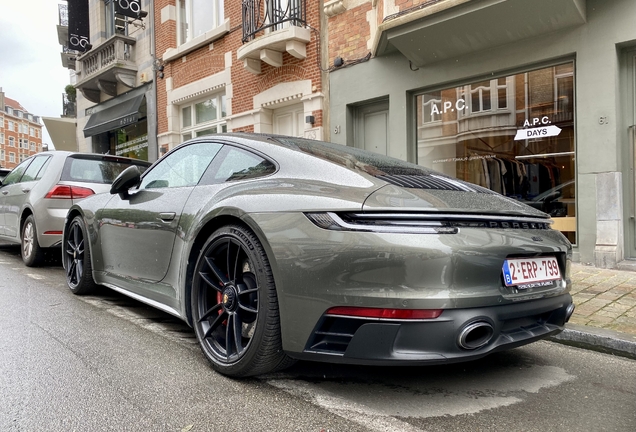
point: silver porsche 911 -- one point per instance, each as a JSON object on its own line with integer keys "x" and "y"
{"x": 276, "y": 248}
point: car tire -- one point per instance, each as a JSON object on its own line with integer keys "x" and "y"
{"x": 32, "y": 253}
{"x": 76, "y": 258}
{"x": 235, "y": 307}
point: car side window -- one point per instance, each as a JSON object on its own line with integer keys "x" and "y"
{"x": 239, "y": 164}
{"x": 15, "y": 175}
{"x": 35, "y": 170}
{"x": 183, "y": 167}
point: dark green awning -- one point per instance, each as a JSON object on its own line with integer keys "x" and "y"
{"x": 115, "y": 117}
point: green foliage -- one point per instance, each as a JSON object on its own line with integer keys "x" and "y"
{"x": 71, "y": 92}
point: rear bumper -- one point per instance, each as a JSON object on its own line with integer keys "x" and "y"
{"x": 50, "y": 227}
{"x": 376, "y": 342}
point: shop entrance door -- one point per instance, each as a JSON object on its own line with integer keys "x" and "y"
{"x": 372, "y": 127}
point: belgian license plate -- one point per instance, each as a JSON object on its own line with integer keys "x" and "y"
{"x": 531, "y": 272}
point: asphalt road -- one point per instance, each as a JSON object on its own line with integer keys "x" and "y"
{"x": 106, "y": 363}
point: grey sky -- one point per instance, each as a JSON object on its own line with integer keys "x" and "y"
{"x": 31, "y": 69}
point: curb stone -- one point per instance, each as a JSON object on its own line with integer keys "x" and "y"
{"x": 597, "y": 339}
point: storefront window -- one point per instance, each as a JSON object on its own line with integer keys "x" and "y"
{"x": 513, "y": 135}
{"x": 131, "y": 141}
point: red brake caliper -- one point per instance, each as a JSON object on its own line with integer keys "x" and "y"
{"x": 219, "y": 300}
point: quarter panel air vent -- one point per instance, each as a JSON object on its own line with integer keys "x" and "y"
{"x": 432, "y": 182}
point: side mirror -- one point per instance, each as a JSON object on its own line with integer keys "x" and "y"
{"x": 128, "y": 178}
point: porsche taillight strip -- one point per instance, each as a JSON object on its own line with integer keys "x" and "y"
{"x": 383, "y": 313}
{"x": 333, "y": 221}
{"x": 421, "y": 223}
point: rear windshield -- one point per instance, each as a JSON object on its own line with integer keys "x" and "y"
{"x": 98, "y": 170}
{"x": 360, "y": 160}
{"x": 393, "y": 171}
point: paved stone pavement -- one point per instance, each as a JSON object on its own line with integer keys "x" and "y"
{"x": 605, "y": 315}
{"x": 604, "y": 298}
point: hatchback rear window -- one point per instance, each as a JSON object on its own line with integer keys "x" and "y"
{"x": 97, "y": 170}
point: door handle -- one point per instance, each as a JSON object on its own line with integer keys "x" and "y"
{"x": 5, "y": 192}
{"x": 25, "y": 190}
{"x": 167, "y": 217}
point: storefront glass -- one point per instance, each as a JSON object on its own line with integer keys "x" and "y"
{"x": 132, "y": 140}
{"x": 513, "y": 135}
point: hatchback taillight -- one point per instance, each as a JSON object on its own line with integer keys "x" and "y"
{"x": 69, "y": 192}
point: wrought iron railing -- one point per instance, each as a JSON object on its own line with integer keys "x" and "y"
{"x": 62, "y": 12}
{"x": 69, "y": 109}
{"x": 261, "y": 15}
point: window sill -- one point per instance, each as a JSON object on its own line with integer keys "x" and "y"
{"x": 196, "y": 43}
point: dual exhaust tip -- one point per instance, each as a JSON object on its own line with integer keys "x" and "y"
{"x": 569, "y": 311}
{"x": 477, "y": 334}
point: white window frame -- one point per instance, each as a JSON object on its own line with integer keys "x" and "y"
{"x": 11, "y": 157}
{"x": 11, "y": 142}
{"x": 185, "y": 14}
{"x": 32, "y": 131}
{"x": 192, "y": 130}
{"x": 274, "y": 14}
{"x": 32, "y": 146}
{"x": 477, "y": 92}
{"x": 2, "y": 155}
{"x": 1, "y": 138}
{"x": 428, "y": 116}
{"x": 10, "y": 126}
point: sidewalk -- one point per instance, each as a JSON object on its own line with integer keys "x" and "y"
{"x": 605, "y": 314}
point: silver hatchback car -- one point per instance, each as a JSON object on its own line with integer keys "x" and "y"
{"x": 36, "y": 195}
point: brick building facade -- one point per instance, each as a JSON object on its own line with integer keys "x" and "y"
{"x": 227, "y": 74}
{"x": 20, "y": 132}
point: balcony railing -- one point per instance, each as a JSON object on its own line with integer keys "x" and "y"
{"x": 117, "y": 49}
{"x": 62, "y": 12}
{"x": 261, "y": 15}
{"x": 105, "y": 66}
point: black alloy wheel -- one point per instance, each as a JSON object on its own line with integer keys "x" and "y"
{"x": 76, "y": 258}
{"x": 234, "y": 305}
